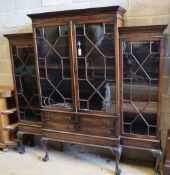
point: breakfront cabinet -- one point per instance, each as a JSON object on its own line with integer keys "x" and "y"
{"x": 25, "y": 81}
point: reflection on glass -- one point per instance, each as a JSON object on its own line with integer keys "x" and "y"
{"x": 64, "y": 30}
{"x": 140, "y": 86}
{"x": 96, "y": 72}
{"x": 42, "y": 48}
{"x": 39, "y": 32}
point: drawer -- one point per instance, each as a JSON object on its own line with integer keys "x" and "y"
{"x": 97, "y": 131}
{"x": 97, "y": 121}
{"x": 59, "y": 126}
{"x": 52, "y": 116}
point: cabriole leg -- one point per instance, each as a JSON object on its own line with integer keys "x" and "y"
{"x": 21, "y": 147}
{"x": 44, "y": 147}
{"x": 118, "y": 153}
{"x": 158, "y": 155}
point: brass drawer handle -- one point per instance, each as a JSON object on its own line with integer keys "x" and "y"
{"x": 68, "y": 118}
{"x": 107, "y": 132}
{"x": 106, "y": 122}
{"x": 86, "y": 130}
{"x": 69, "y": 127}
{"x": 86, "y": 120}
{"x": 49, "y": 117}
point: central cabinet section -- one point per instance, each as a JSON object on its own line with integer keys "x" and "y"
{"x": 78, "y": 74}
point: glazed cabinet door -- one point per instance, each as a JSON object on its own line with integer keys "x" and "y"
{"x": 53, "y": 58}
{"x": 95, "y": 58}
{"x": 25, "y": 80}
{"x": 141, "y": 72}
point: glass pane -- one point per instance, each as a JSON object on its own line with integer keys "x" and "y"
{"x": 18, "y": 65}
{"x": 96, "y": 62}
{"x": 140, "y": 86}
{"x": 14, "y": 50}
{"x": 81, "y": 68}
{"x": 23, "y": 54}
{"x": 107, "y": 45}
{"x": 42, "y": 47}
{"x": 94, "y": 32}
{"x": 79, "y": 29}
{"x": 26, "y": 82}
{"x": 109, "y": 27}
{"x": 95, "y": 68}
{"x": 51, "y": 34}
{"x": 39, "y": 32}
{"x": 62, "y": 47}
{"x": 46, "y": 87}
{"x": 66, "y": 92}
{"x": 42, "y": 70}
{"x": 66, "y": 68}
{"x": 64, "y": 30}
{"x": 54, "y": 68}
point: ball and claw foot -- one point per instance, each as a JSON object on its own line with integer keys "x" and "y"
{"x": 45, "y": 158}
{"x": 21, "y": 150}
{"x": 158, "y": 173}
{"x": 118, "y": 171}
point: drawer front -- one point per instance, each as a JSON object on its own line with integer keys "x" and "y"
{"x": 59, "y": 126}
{"x": 51, "y": 116}
{"x": 97, "y": 131}
{"x": 97, "y": 121}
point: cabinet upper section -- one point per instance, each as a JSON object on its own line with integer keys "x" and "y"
{"x": 77, "y": 53}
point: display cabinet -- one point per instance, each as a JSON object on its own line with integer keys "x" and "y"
{"x": 78, "y": 74}
{"x": 25, "y": 81}
{"x": 141, "y": 56}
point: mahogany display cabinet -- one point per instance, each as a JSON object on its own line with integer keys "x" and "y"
{"x": 25, "y": 82}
